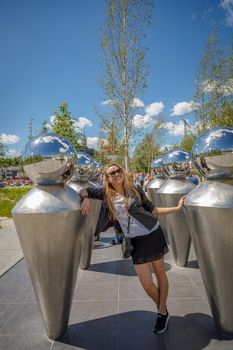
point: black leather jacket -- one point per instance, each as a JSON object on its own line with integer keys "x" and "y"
{"x": 142, "y": 212}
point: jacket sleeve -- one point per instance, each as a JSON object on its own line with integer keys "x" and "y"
{"x": 146, "y": 203}
{"x": 95, "y": 193}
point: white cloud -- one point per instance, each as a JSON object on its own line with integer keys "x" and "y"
{"x": 193, "y": 16}
{"x": 92, "y": 142}
{"x": 52, "y": 118}
{"x": 155, "y": 108}
{"x": 183, "y": 108}
{"x": 227, "y": 5}
{"x": 9, "y": 139}
{"x": 176, "y": 129}
{"x": 82, "y": 122}
{"x": 207, "y": 12}
{"x": 12, "y": 152}
{"x": 106, "y": 102}
{"x": 137, "y": 103}
{"x": 142, "y": 121}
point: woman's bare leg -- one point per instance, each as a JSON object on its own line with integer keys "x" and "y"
{"x": 162, "y": 279}
{"x": 145, "y": 277}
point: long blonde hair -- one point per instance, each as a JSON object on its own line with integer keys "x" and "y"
{"x": 110, "y": 193}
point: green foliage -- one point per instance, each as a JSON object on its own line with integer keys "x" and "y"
{"x": 144, "y": 153}
{"x": 3, "y": 150}
{"x": 64, "y": 124}
{"x": 44, "y": 128}
{"x": 214, "y": 89}
{"x": 9, "y": 197}
{"x": 187, "y": 143}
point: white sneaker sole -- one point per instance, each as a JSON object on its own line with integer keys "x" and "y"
{"x": 165, "y": 328}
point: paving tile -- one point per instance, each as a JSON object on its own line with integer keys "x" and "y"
{"x": 136, "y": 316}
{"x": 84, "y": 339}
{"x": 131, "y": 289}
{"x": 139, "y": 341}
{"x": 94, "y": 316}
{"x": 20, "y": 342}
{"x": 196, "y": 340}
{"x": 97, "y": 277}
{"x": 96, "y": 291}
{"x": 25, "y": 320}
{"x": 183, "y": 289}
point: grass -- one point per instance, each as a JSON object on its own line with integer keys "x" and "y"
{"x": 9, "y": 197}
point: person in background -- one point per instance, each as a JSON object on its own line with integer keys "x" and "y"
{"x": 137, "y": 217}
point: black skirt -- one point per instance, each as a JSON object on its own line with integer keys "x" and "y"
{"x": 149, "y": 247}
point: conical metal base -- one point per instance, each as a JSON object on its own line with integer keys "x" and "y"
{"x": 50, "y": 229}
{"x": 209, "y": 210}
{"x": 90, "y": 225}
{"x": 152, "y": 189}
{"x": 176, "y": 226}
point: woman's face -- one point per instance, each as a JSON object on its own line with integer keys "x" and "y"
{"x": 115, "y": 175}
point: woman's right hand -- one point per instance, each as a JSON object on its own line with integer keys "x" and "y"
{"x": 85, "y": 207}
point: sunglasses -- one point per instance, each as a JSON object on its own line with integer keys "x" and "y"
{"x": 115, "y": 172}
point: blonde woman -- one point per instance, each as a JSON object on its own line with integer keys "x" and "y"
{"x": 136, "y": 215}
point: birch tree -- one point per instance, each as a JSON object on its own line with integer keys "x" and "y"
{"x": 124, "y": 72}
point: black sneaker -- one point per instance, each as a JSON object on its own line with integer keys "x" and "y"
{"x": 161, "y": 323}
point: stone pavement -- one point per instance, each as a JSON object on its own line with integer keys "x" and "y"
{"x": 10, "y": 249}
{"x": 110, "y": 310}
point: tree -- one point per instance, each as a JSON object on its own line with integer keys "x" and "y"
{"x": 187, "y": 143}
{"x": 3, "y": 150}
{"x": 214, "y": 88}
{"x": 44, "y": 128}
{"x": 123, "y": 60}
{"x": 64, "y": 125}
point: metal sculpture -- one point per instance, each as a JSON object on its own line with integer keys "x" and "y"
{"x": 155, "y": 184}
{"x": 50, "y": 228}
{"x": 176, "y": 166}
{"x": 209, "y": 210}
{"x": 87, "y": 172}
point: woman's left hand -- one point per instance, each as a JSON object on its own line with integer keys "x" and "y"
{"x": 181, "y": 202}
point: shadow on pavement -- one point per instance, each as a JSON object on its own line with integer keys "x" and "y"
{"x": 118, "y": 267}
{"x": 134, "y": 330}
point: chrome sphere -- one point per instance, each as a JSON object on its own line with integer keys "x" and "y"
{"x": 85, "y": 168}
{"x": 49, "y": 159}
{"x": 177, "y": 164}
{"x": 213, "y": 153}
{"x": 157, "y": 166}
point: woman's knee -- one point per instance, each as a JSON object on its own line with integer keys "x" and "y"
{"x": 148, "y": 285}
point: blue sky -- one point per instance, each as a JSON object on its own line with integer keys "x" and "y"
{"x": 49, "y": 51}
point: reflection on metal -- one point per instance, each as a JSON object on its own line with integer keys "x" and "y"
{"x": 213, "y": 153}
{"x": 50, "y": 229}
{"x": 155, "y": 184}
{"x": 209, "y": 210}
{"x": 158, "y": 167}
{"x": 177, "y": 164}
{"x": 49, "y": 159}
{"x": 176, "y": 226}
{"x": 87, "y": 168}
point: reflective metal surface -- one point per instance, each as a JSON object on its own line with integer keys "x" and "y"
{"x": 209, "y": 211}
{"x": 176, "y": 226}
{"x": 84, "y": 168}
{"x": 213, "y": 153}
{"x": 87, "y": 169}
{"x": 152, "y": 189}
{"x": 157, "y": 166}
{"x": 90, "y": 225}
{"x": 177, "y": 164}
{"x": 49, "y": 159}
{"x": 50, "y": 230}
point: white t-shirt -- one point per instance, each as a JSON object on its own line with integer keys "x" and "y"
{"x": 136, "y": 228}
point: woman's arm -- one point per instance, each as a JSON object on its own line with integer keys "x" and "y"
{"x": 87, "y": 193}
{"x": 170, "y": 210}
